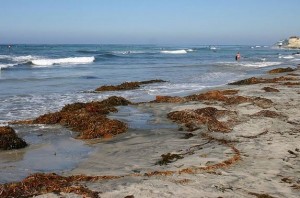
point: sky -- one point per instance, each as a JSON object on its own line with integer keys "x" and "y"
{"x": 218, "y": 22}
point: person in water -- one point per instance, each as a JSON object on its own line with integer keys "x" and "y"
{"x": 237, "y": 56}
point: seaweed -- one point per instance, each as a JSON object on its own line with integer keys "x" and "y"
{"x": 168, "y": 158}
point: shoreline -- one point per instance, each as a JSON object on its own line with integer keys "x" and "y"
{"x": 239, "y": 162}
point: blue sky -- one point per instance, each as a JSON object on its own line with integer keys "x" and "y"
{"x": 148, "y": 21}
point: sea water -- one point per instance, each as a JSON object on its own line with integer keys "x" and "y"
{"x": 37, "y": 79}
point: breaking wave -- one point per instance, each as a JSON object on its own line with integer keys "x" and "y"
{"x": 2, "y": 66}
{"x": 286, "y": 57}
{"x": 259, "y": 64}
{"x": 12, "y": 60}
{"x": 250, "y": 63}
{"x": 174, "y": 51}
{"x": 61, "y": 61}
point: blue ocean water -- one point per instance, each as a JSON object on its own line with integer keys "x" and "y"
{"x": 36, "y": 79}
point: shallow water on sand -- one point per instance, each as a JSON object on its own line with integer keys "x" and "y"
{"x": 51, "y": 149}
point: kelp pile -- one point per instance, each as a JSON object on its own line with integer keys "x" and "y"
{"x": 223, "y": 96}
{"x": 40, "y": 183}
{"x": 126, "y": 85}
{"x": 281, "y": 70}
{"x": 87, "y": 118}
{"x": 270, "y": 89}
{"x": 194, "y": 119}
{"x": 254, "y": 80}
{"x": 215, "y": 95}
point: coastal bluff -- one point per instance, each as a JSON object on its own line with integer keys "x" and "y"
{"x": 293, "y": 42}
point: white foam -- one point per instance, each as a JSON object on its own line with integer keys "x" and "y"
{"x": 5, "y": 57}
{"x": 173, "y": 51}
{"x": 171, "y": 89}
{"x": 296, "y": 60}
{"x": 250, "y": 64}
{"x": 18, "y": 58}
{"x": 60, "y": 61}
{"x": 6, "y": 65}
{"x": 15, "y": 60}
{"x": 287, "y": 57}
{"x": 258, "y": 64}
{"x": 23, "y": 59}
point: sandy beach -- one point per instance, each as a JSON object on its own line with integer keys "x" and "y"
{"x": 267, "y": 156}
{"x": 242, "y": 143}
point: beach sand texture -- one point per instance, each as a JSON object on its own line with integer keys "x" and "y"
{"x": 243, "y": 148}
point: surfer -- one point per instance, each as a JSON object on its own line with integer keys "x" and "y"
{"x": 237, "y": 56}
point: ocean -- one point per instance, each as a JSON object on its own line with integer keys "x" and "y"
{"x": 38, "y": 79}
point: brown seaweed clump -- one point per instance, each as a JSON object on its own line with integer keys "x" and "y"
{"x": 291, "y": 83}
{"x": 281, "y": 70}
{"x": 254, "y": 80}
{"x": 38, "y": 184}
{"x": 210, "y": 95}
{"x": 194, "y": 119}
{"x": 215, "y": 95}
{"x": 9, "y": 139}
{"x": 126, "y": 85}
{"x": 169, "y": 99}
{"x": 270, "y": 89}
{"x": 87, "y": 118}
{"x": 261, "y": 195}
{"x": 169, "y": 158}
{"x": 266, "y": 113}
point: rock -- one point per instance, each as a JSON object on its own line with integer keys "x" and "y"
{"x": 9, "y": 139}
{"x": 126, "y": 86}
{"x": 281, "y": 70}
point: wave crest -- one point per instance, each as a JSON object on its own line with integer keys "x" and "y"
{"x": 3, "y": 66}
{"x": 60, "y": 61}
{"x": 259, "y": 64}
{"x": 173, "y": 51}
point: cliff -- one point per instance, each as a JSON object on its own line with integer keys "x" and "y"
{"x": 293, "y": 42}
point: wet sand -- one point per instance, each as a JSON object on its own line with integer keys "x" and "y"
{"x": 258, "y": 157}
{"x": 268, "y": 146}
